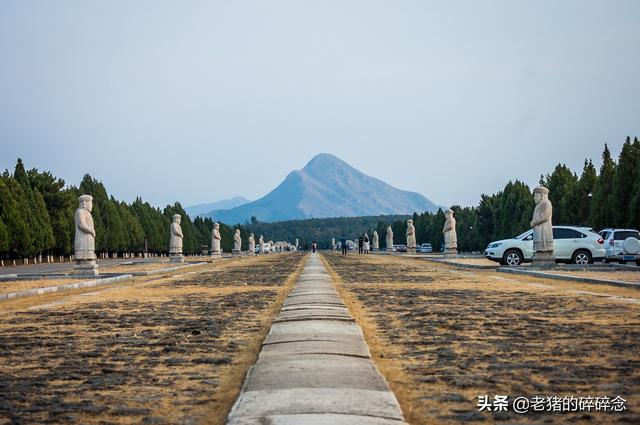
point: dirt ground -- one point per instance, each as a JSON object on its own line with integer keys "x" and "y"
{"x": 443, "y": 337}
{"x": 22, "y": 285}
{"x": 631, "y": 276}
{"x": 155, "y": 351}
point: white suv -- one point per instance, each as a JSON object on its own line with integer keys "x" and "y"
{"x": 622, "y": 245}
{"x": 578, "y": 245}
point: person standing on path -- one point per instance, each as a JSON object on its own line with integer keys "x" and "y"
{"x": 343, "y": 243}
{"x": 360, "y": 245}
{"x": 366, "y": 243}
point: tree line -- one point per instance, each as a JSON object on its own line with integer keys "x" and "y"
{"x": 37, "y": 213}
{"x": 609, "y": 197}
{"x": 37, "y": 218}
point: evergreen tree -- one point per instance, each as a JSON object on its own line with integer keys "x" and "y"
{"x": 583, "y": 194}
{"x": 626, "y": 174}
{"x": 562, "y": 187}
{"x": 602, "y": 214}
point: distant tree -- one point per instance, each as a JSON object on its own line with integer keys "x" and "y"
{"x": 602, "y": 214}
{"x": 562, "y": 188}
{"x": 624, "y": 180}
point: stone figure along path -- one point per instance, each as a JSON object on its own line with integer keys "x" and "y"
{"x": 315, "y": 367}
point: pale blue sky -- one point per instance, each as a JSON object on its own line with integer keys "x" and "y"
{"x": 199, "y": 101}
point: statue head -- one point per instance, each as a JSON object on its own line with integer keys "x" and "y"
{"x": 216, "y": 225}
{"x": 85, "y": 202}
{"x": 409, "y": 222}
{"x": 237, "y": 231}
{"x": 540, "y": 194}
{"x": 448, "y": 213}
{"x": 251, "y": 235}
{"x": 177, "y": 218}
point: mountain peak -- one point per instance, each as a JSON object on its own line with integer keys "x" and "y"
{"x": 327, "y": 187}
{"x": 323, "y": 159}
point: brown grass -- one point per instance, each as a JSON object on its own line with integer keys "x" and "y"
{"x": 445, "y": 336}
{"x": 171, "y": 350}
{"x": 23, "y": 285}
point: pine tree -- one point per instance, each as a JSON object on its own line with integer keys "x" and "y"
{"x": 623, "y": 183}
{"x": 583, "y": 194}
{"x": 601, "y": 207}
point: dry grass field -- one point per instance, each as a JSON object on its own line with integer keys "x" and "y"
{"x": 155, "y": 351}
{"x": 443, "y": 337}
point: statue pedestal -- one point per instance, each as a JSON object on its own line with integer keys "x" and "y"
{"x": 175, "y": 258}
{"x": 543, "y": 259}
{"x": 450, "y": 252}
{"x": 236, "y": 252}
{"x": 85, "y": 268}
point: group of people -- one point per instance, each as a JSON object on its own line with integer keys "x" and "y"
{"x": 364, "y": 244}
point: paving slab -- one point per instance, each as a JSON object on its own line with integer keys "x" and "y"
{"x": 315, "y": 367}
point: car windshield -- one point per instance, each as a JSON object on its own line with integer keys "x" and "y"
{"x": 521, "y": 236}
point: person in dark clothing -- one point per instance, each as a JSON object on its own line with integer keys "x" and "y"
{"x": 360, "y": 245}
{"x": 314, "y": 247}
{"x": 343, "y": 243}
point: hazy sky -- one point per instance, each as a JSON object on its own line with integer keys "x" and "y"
{"x": 200, "y": 101}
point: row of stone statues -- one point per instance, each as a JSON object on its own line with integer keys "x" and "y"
{"x": 85, "y": 236}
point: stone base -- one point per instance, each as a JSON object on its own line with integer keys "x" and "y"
{"x": 543, "y": 259}
{"x": 236, "y": 252}
{"x": 86, "y": 268}
{"x": 216, "y": 253}
{"x": 176, "y": 258}
{"x": 451, "y": 252}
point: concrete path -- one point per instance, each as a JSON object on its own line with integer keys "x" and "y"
{"x": 314, "y": 367}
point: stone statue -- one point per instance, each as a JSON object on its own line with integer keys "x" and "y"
{"x": 237, "y": 242}
{"x": 375, "y": 243}
{"x": 450, "y": 235}
{"x": 216, "y": 240}
{"x": 389, "y": 239}
{"x": 261, "y": 242}
{"x": 296, "y": 243}
{"x": 252, "y": 244}
{"x": 85, "y": 240}
{"x": 175, "y": 243}
{"x": 333, "y": 244}
{"x": 411, "y": 236}
{"x": 542, "y": 229}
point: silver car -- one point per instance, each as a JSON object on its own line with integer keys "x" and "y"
{"x": 578, "y": 245}
{"x": 622, "y": 245}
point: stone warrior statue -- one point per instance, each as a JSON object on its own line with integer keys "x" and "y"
{"x": 375, "y": 243}
{"x": 175, "y": 243}
{"x": 85, "y": 240}
{"x": 252, "y": 244}
{"x": 261, "y": 242}
{"x": 216, "y": 240}
{"x": 389, "y": 239}
{"x": 237, "y": 242}
{"x": 450, "y": 235}
{"x": 542, "y": 230}
{"x": 411, "y": 237}
{"x": 333, "y": 244}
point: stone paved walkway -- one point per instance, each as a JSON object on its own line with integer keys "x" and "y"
{"x": 314, "y": 367}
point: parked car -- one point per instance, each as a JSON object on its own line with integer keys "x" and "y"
{"x": 425, "y": 248}
{"x": 621, "y": 245}
{"x": 400, "y": 248}
{"x": 578, "y": 245}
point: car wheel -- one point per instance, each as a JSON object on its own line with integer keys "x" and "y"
{"x": 582, "y": 257}
{"x": 512, "y": 258}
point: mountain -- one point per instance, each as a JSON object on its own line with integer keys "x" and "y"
{"x": 202, "y": 209}
{"x": 327, "y": 187}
